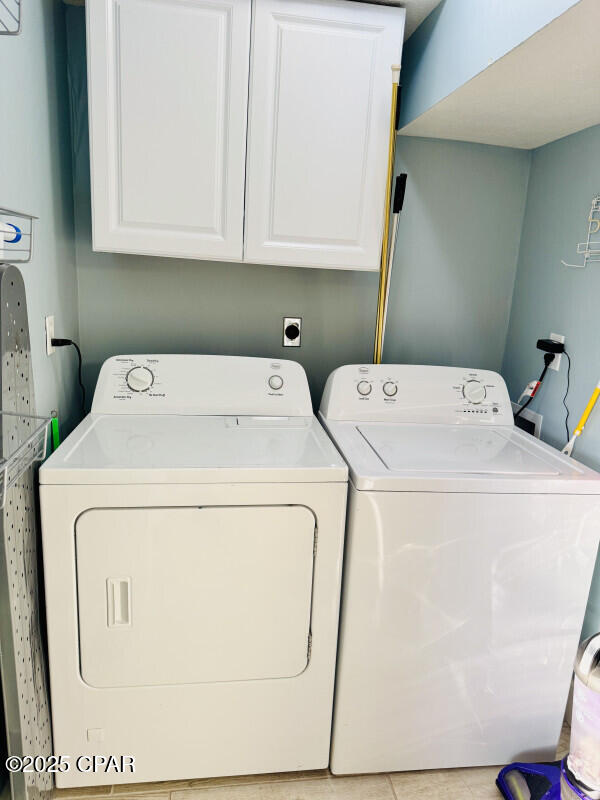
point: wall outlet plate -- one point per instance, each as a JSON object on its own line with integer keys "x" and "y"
{"x": 49, "y": 336}
{"x": 535, "y": 420}
{"x": 292, "y": 331}
{"x": 557, "y": 337}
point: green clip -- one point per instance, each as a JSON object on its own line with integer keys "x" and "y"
{"x": 54, "y": 433}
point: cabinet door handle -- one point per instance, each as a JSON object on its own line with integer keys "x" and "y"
{"x": 118, "y": 598}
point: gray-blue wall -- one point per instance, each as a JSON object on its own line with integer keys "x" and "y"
{"x": 549, "y": 297}
{"x": 35, "y": 177}
{"x": 453, "y": 276}
{"x": 458, "y": 243}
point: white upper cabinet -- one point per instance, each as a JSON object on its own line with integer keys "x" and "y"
{"x": 171, "y": 158}
{"x": 320, "y": 95}
{"x": 168, "y": 86}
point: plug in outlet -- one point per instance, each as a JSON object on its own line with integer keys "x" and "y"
{"x": 292, "y": 331}
{"x": 528, "y": 421}
{"x": 49, "y": 336}
{"x": 557, "y": 337}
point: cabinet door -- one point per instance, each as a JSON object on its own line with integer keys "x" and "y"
{"x": 319, "y": 120}
{"x": 167, "y": 83}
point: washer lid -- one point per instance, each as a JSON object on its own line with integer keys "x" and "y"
{"x": 453, "y": 449}
{"x": 414, "y": 457}
{"x": 109, "y": 449}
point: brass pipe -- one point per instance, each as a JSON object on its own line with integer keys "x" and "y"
{"x": 384, "y": 265}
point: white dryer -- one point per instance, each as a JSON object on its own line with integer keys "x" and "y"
{"x": 192, "y": 532}
{"x": 469, "y": 553}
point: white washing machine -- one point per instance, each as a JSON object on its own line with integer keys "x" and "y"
{"x": 469, "y": 552}
{"x": 192, "y": 533}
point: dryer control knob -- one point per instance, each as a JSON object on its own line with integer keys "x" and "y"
{"x": 474, "y": 391}
{"x": 276, "y": 382}
{"x": 390, "y": 389}
{"x": 364, "y": 388}
{"x": 140, "y": 379}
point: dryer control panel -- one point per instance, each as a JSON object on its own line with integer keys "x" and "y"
{"x": 408, "y": 393}
{"x": 202, "y": 385}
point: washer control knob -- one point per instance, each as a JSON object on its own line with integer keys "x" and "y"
{"x": 276, "y": 382}
{"x": 474, "y": 391}
{"x": 140, "y": 379}
{"x": 390, "y": 389}
{"x": 364, "y": 388}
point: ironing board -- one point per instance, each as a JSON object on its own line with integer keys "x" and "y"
{"x": 22, "y": 662}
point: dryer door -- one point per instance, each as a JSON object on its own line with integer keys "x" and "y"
{"x": 190, "y": 595}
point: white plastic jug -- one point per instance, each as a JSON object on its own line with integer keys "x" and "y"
{"x": 584, "y": 758}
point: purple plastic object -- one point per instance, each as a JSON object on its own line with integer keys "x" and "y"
{"x": 561, "y": 787}
{"x": 550, "y": 772}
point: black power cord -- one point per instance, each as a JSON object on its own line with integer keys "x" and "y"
{"x": 566, "y": 394}
{"x": 548, "y": 359}
{"x": 67, "y": 343}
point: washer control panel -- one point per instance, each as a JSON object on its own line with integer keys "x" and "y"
{"x": 474, "y": 391}
{"x": 203, "y": 385}
{"x": 404, "y": 392}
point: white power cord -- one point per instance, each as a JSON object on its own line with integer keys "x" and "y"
{"x": 528, "y": 391}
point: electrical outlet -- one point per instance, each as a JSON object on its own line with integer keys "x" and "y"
{"x": 557, "y": 337}
{"x": 529, "y": 420}
{"x": 292, "y": 331}
{"x": 49, "y": 336}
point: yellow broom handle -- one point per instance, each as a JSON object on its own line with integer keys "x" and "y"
{"x": 588, "y": 410}
{"x": 383, "y": 269}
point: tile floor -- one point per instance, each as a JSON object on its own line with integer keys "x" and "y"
{"x": 455, "y": 784}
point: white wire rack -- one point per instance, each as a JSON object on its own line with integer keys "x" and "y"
{"x": 10, "y": 17}
{"x": 590, "y": 249}
{"x": 16, "y": 234}
{"x": 25, "y": 437}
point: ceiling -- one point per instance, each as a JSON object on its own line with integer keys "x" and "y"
{"x": 416, "y": 11}
{"x": 544, "y": 89}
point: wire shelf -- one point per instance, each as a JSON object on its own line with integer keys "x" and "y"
{"x": 590, "y": 249}
{"x": 10, "y": 17}
{"x": 16, "y": 235}
{"x": 26, "y": 437}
